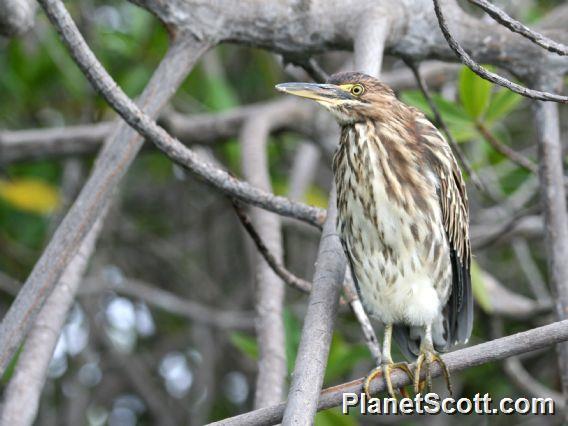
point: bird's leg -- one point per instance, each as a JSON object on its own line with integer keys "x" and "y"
{"x": 386, "y": 367}
{"x": 427, "y": 356}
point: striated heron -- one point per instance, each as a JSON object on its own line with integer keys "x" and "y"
{"x": 402, "y": 219}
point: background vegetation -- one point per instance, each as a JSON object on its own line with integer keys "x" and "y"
{"x": 168, "y": 231}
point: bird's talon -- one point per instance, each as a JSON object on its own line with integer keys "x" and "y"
{"x": 428, "y": 358}
{"x": 370, "y": 377}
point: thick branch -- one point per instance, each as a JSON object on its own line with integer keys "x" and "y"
{"x": 483, "y": 353}
{"x": 318, "y": 325}
{"x": 289, "y": 28}
{"x": 24, "y": 389}
{"x": 553, "y": 199}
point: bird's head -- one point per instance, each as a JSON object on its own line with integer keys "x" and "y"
{"x": 350, "y": 96}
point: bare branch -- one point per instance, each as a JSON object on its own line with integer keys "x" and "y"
{"x": 202, "y": 129}
{"x": 357, "y": 308}
{"x": 531, "y": 270}
{"x": 517, "y": 27}
{"x": 520, "y": 377}
{"x": 269, "y": 300}
{"x": 286, "y": 276}
{"x": 508, "y": 304}
{"x": 462, "y": 359}
{"x": 24, "y": 389}
{"x": 142, "y": 123}
{"x": 503, "y": 149}
{"x": 484, "y": 73}
{"x": 318, "y": 325}
{"x": 553, "y": 197}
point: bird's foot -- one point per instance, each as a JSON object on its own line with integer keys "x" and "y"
{"x": 385, "y": 370}
{"x": 427, "y": 358}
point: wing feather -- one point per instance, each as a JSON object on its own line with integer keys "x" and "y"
{"x": 455, "y": 213}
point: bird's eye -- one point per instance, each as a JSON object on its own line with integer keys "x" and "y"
{"x": 357, "y": 90}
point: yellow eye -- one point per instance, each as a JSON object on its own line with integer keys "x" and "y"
{"x": 357, "y": 90}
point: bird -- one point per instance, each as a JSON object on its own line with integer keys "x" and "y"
{"x": 403, "y": 222}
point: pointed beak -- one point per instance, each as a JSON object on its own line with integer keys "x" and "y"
{"x": 326, "y": 93}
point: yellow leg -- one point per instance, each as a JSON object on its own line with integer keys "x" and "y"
{"x": 386, "y": 367}
{"x": 427, "y": 357}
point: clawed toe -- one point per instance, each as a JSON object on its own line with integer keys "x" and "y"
{"x": 427, "y": 358}
{"x": 385, "y": 370}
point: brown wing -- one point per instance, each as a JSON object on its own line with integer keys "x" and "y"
{"x": 455, "y": 214}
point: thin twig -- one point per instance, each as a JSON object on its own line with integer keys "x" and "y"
{"x": 462, "y": 359}
{"x": 310, "y": 66}
{"x": 486, "y": 74}
{"x": 438, "y": 116}
{"x": 510, "y": 153}
{"x": 519, "y": 28}
{"x": 286, "y": 276}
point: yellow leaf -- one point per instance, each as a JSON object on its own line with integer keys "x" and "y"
{"x": 30, "y": 194}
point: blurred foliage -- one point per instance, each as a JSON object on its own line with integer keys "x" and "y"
{"x": 31, "y": 195}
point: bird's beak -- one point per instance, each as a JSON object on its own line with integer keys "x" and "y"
{"x": 323, "y": 93}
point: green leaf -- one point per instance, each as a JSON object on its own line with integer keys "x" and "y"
{"x": 479, "y": 289}
{"x": 475, "y": 93}
{"x": 342, "y": 357}
{"x": 245, "y": 343}
{"x": 502, "y": 103}
{"x": 451, "y": 112}
{"x": 458, "y": 121}
{"x": 293, "y": 330}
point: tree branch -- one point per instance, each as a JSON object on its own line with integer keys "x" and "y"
{"x": 462, "y": 359}
{"x": 484, "y": 73}
{"x": 553, "y": 198}
{"x": 269, "y": 300}
{"x": 312, "y": 355}
{"x": 23, "y": 392}
{"x": 284, "y": 274}
{"x": 519, "y": 28}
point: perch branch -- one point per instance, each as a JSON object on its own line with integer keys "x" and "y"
{"x": 495, "y": 350}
